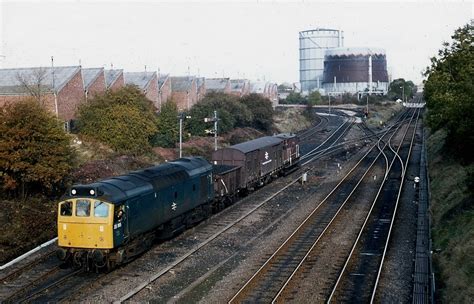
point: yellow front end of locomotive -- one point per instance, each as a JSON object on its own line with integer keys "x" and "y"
{"x": 85, "y": 223}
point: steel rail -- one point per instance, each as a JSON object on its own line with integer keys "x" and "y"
{"x": 375, "y": 134}
{"x": 49, "y": 286}
{"x": 361, "y": 231}
{"x": 327, "y": 139}
{"x": 27, "y": 266}
{"x": 298, "y": 267}
{"x": 395, "y": 211}
{"x": 299, "y": 227}
{"x": 178, "y": 261}
{"x": 307, "y": 133}
{"x": 300, "y": 264}
{"x": 25, "y": 255}
{"x": 35, "y": 282}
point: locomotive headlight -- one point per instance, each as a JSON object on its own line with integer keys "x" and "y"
{"x": 92, "y": 192}
{"x": 73, "y": 191}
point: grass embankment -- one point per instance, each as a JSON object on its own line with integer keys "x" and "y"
{"x": 383, "y": 112}
{"x": 290, "y": 120}
{"x": 452, "y": 212}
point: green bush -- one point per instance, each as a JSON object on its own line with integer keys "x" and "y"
{"x": 449, "y": 90}
{"x": 262, "y": 111}
{"x": 167, "y": 125}
{"x": 124, "y": 120}
{"x": 230, "y": 111}
{"x": 35, "y": 155}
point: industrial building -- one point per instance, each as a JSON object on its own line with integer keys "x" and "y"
{"x": 313, "y": 47}
{"x": 355, "y": 71}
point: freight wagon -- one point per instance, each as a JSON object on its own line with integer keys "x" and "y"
{"x": 260, "y": 159}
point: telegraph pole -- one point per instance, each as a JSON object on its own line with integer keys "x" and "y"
{"x": 215, "y": 130}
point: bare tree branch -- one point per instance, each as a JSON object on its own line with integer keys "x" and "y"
{"x": 34, "y": 84}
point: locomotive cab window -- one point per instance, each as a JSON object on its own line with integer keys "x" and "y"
{"x": 101, "y": 209}
{"x": 119, "y": 214}
{"x": 66, "y": 208}
{"x": 83, "y": 208}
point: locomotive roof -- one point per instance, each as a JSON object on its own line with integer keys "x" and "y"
{"x": 256, "y": 144}
{"x": 285, "y": 135}
{"x": 120, "y": 188}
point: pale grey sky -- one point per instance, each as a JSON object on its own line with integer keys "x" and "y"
{"x": 239, "y": 39}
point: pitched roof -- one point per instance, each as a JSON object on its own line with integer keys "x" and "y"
{"x": 258, "y": 87}
{"x": 90, "y": 75}
{"x": 111, "y": 76}
{"x": 162, "y": 79}
{"x": 237, "y": 84}
{"x": 216, "y": 84}
{"x": 200, "y": 81}
{"x": 140, "y": 79}
{"x": 182, "y": 83}
{"x": 10, "y": 78}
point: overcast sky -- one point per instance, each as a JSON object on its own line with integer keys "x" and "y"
{"x": 255, "y": 40}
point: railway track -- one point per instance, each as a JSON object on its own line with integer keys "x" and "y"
{"x": 231, "y": 221}
{"x": 38, "y": 285}
{"x": 44, "y": 292}
{"x": 307, "y": 134}
{"x": 46, "y": 280}
{"x": 18, "y": 270}
{"x": 359, "y": 277}
{"x": 271, "y": 279}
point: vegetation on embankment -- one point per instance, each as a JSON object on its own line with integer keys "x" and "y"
{"x": 448, "y": 94}
{"x": 452, "y": 222}
{"x": 382, "y": 112}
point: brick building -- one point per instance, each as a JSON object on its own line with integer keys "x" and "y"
{"x": 164, "y": 88}
{"x": 147, "y": 82}
{"x": 239, "y": 87}
{"x": 221, "y": 85}
{"x": 114, "y": 79}
{"x": 266, "y": 89}
{"x": 184, "y": 92}
{"x": 60, "y": 89}
{"x": 201, "y": 88}
{"x": 272, "y": 93}
{"x": 94, "y": 82}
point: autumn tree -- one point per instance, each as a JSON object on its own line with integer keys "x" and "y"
{"x": 449, "y": 90}
{"x": 124, "y": 120}
{"x": 35, "y": 155}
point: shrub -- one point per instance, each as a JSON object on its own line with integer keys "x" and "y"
{"x": 124, "y": 120}
{"x": 35, "y": 155}
{"x": 261, "y": 109}
{"x": 167, "y": 125}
